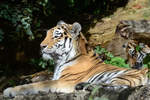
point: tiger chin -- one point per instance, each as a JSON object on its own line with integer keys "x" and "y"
{"x": 75, "y": 64}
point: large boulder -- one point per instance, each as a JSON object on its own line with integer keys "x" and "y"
{"x": 135, "y": 30}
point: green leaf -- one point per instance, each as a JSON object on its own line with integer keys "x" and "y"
{"x": 1, "y": 35}
{"x": 93, "y": 92}
{"x": 28, "y": 31}
{"x": 117, "y": 59}
{"x": 138, "y": 48}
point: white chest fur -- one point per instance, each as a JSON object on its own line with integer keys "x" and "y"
{"x": 60, "y": 68}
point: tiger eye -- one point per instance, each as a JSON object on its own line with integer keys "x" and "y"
{"x": 129, "y": 47}
{"x": 65, "y": 33}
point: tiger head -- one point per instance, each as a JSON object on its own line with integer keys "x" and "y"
{"x": 136, "y": 52}
{"x": 63, "y": 42}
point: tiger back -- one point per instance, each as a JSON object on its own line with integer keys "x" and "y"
{"x": 75, "y": 63}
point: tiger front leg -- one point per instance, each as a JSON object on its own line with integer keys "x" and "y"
{"x": 84, "y": 86}
{"x": 35, "y": 88}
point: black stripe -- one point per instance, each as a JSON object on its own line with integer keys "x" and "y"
{"x": 65, "y": 75}
{"x": 73, "y": 59}
{"x": 107, "y": 75}
{"x": 68, "y": 74}
{"x": 112, "y": 74}
{"x": 124, "y": 79}
{"x": 65, "y": 42}
{"x": 94, "y": 54}
{"x": 94, "y": 78}
{"x": 70, "y": 42}
{"x": 68, "y": 55}
{"x": 136, "y": 77}
{"x": 127, "y": 70}
{"x": 102, "y": 74}
{"x": 100, "y": 62}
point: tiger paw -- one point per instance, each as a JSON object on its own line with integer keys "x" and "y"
{"x": 85, "y": 86}
{"x": 9, "y": 92}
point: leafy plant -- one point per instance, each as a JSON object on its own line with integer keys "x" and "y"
{"x": 146, "y": 61}
{"x": 20, "y": 18}
{"x": 42, "y": 63}
{"x": 146, "y": 13}
{"x": 95, "y": 89}
{"x": 12, "y": 83}
{"x": 116, "y": 61}
{"x": 138, "y": 48}
{"x": 26, "y": 20}
{"x": 1, "y": 35}
{"x": 94, "y": 93}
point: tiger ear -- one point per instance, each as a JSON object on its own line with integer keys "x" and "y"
{"x": 76, "y": 28}
{"x": 61, "y": 22}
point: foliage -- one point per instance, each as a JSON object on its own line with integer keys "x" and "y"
{"x": 94, "y": 92}
{"x": 147, "y": 61}
{"x": 12, "y": 83}
{"x": 138, "y": 48}
{"x": 1, "y": 35}
{"x": 25, "y": 21}
{"x": 26, "y": 16}
{"x": 43, "y": 63}
{"x": 20, "y": 19}
{"x": 146, "y": 13}
{"x": 116, "y": 61}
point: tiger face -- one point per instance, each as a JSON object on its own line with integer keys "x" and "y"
{"x": 136, "y": 52}
{"x": 61, "y": 40}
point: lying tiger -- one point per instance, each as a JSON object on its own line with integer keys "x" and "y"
{"x": 75, "y": 64}
{"x": 136, "y": 52}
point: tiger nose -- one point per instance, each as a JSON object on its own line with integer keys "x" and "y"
{"x": 43, "y": 45}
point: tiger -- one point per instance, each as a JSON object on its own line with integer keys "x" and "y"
{"x": 76, "y": 63}
{"x": 136, "y": 52}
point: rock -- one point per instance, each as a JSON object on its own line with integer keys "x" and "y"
{"x": 102, "y": 32}
{"x": 136, "y": 93}
{"x": 115, "y": 46}
{"x": 50, "y": 96}
{"x": 129, "y": 30}
{"x": 135, "y": 30}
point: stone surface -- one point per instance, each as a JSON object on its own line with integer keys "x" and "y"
{"x": 136, "y": 93}
{"x": 135, "y": 30}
